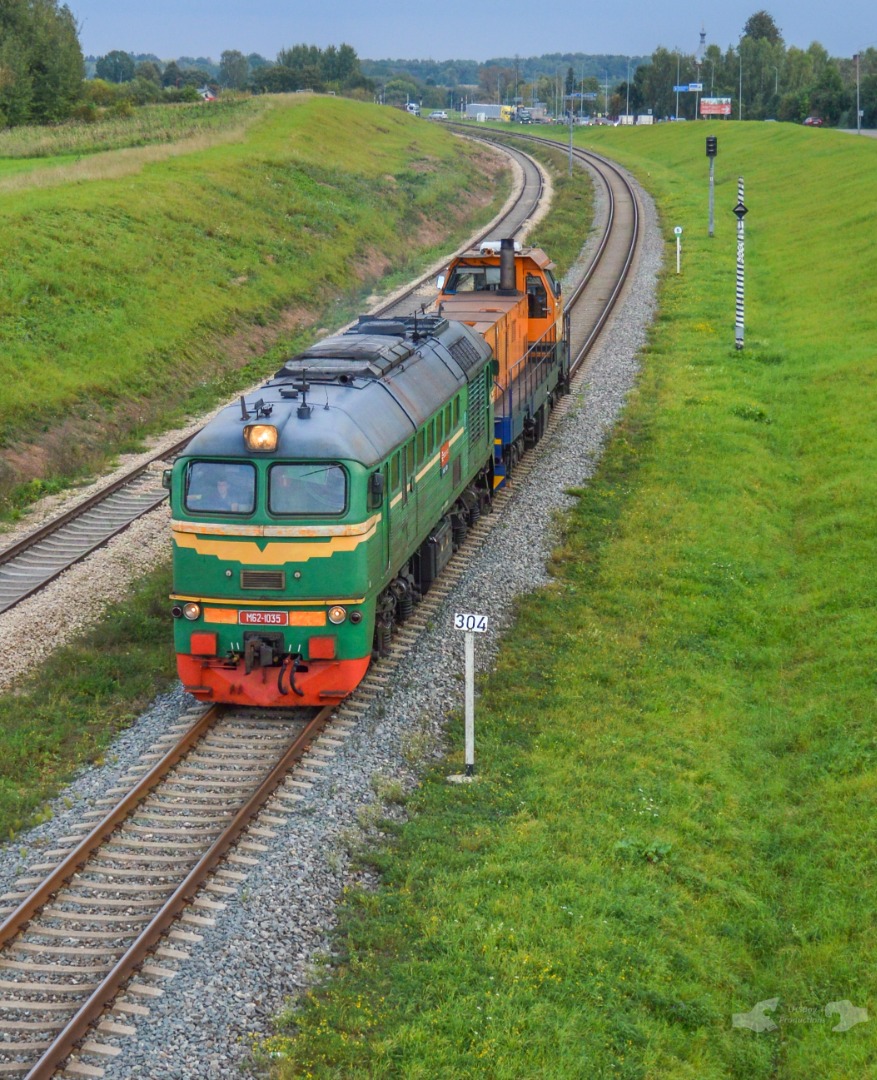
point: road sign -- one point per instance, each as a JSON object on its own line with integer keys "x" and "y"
{"x": 696, "y": 86}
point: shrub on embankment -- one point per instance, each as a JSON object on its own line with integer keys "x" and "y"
{"x": 141, "y": 283}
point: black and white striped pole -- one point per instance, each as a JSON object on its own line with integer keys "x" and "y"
{"x": 740, "y": 210}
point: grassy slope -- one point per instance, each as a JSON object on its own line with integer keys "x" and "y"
{"x": 120, "y": 297}
{"x": 677, "y": 749}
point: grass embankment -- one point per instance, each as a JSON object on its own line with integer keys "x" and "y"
{"x": 67, "y": 713}
{"x": 144, "y": 283}
{"x": 678, "y": 765}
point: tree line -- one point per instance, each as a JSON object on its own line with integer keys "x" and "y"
{"x": 764, "y": 79}
{"x": 42, "y": 76}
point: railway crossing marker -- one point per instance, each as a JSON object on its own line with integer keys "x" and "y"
{"x": 472, "y": 624}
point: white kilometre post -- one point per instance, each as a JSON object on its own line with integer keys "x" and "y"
{"x": 740, "y": 210}
{"x": 470, "y": 703}
{"x": 472, "y": 625}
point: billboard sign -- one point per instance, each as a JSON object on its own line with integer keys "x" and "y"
{"x": 715, "y": 106}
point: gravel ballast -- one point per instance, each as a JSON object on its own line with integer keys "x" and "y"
{"x": 262, "y": 950}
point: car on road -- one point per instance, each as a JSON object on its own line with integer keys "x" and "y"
{"x": 813, "y": 121}
{"x": 439, "y": 114}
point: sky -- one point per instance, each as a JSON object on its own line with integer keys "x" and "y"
{"x": 457, "y": 29}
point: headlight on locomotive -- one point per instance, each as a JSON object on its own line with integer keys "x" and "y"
{"x": 337, "y": 615}
{"x": 261, "y": 437}
{"x": 191, "y": 611}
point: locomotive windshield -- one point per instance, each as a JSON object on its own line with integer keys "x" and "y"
{"x": 220, "y": 487}
{"x": 473, "y": 279}
{"x": 311, "y": 488}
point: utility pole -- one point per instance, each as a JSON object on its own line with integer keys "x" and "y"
{"x": 858, "y": 106}
{"x": 740, "y": 113}
{"x": 627, "y": 106}
{"x": 678, "y": 62}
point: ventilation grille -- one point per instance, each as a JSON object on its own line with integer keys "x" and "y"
{"x": 263, "y": 579}
{"x": 477, "y": 408}
{"x": 465, "y": 353}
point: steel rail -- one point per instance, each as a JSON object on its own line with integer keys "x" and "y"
{"x": 621, "y": 276}
{"x": 93, "y": 500}
{"x": 26, "y": 910}
{"x": 65, "y": 1042}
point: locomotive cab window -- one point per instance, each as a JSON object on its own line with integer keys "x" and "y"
{"x": 311, "y": 488}
{"x": 537, "y": 297}
{"x": 220, "y": 487}
{"x": 473, "y": 279}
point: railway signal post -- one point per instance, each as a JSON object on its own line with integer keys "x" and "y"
{"x": 712, "y": 148}
{"x": 741, "y": 211}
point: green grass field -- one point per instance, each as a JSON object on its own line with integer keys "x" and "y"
{"x": 672, "y": 822}
{"x": 672, "y": 819}
{"x": 143, "y": 283}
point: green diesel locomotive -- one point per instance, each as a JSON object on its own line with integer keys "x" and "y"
{"x": 307, "y": 523}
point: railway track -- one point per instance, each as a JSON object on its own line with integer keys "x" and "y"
{"x": 92, "y": 933}
{"x": 78, "y": 936}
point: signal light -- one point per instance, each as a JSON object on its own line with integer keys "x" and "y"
{"x": 712, "y": 146}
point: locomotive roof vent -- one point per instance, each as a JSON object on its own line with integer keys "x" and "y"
{"x": 368, "y": 350}
{"x": 366, "y": 357}
{"x": 381, "y": 327}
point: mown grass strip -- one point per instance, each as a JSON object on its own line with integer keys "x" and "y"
{"x": 151, "y": 124}
{"x": 677, "y": 755}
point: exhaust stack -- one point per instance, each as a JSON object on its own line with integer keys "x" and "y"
{"x": 507, "y": 266}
